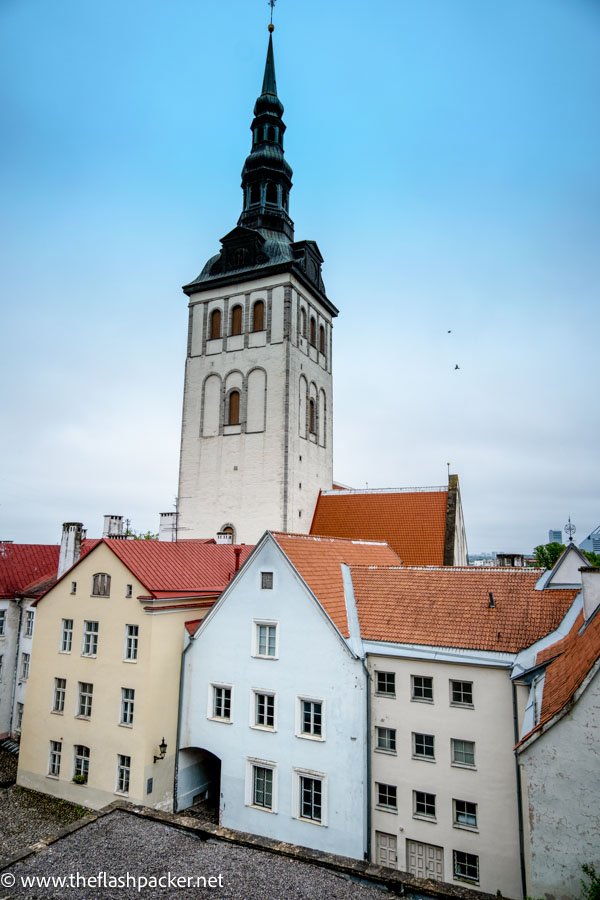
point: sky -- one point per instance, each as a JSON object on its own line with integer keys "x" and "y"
{"x": 446, "y": 160}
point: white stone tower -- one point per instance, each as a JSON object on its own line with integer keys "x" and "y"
{"x": 256, "y": 442}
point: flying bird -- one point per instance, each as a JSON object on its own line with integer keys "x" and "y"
{"x": 449, "y": 331}
{"x": 456, "y": 367}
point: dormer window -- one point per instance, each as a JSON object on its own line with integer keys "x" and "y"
{"x": 101, "y": 585}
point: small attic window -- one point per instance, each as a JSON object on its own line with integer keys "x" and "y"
{"x": 101, "y": 585}
{"x": 266, "y": 581}
{"x": 73, "y": 587}
{"x": 128, "y": 591}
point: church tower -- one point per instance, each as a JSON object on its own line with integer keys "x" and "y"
{"x": 256, "y": 443}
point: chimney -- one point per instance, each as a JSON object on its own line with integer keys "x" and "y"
{"x": 70, "y": 546}
{"x": 590, "y": 585}
{"x": 167, "y": 529}
{"x": 113, "y": 527}
{"x": 224, "y": 537}
{"x": 238, "y": 553}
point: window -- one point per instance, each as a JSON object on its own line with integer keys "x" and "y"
{"x": 86, "y": 692}
{"x": 127, "y": 704}
{"x": 60, "y": 690}
{"x": 313, "y": 331}
{"x": 128, "y": 591}
{"x": 303, "y": 323}
{"x": 465, "y": 813}
{"x": 423, "y": 746}
{"x": 54, "y": 760}
{"x": 311, "y": 798}
{"x": 423, "y": 804}
{"x": 233, "y": 410}
{"x": 461, "y": 693}
{"x": 131, "y": 642}
{"x": 73, "y": 587}
{"x": 387, "y": 795}
{"x": 386, "y": 739}
{"x": 255, "y": 188}
{"x": 221, "y": 703}
{"x": 2, "y": 621}
{"x": 81, "y": 766}
{"x": 90, "y": 639}
{"x": 463, "y": 752}
{"x": 266, "y": 581}
{"x": 264, "y": 710}
{"x": 466, "y": 866}
{"x": 421, "y": 688}
{"x": 20, "y": 709}
{"x": 123, "y": 773}
{"x": 262, "y": 787}
{"x": 1, "y": 661}
{"x": 312, "y": 417}
{"x": 236, "y": 320}
{"x": 66, "y": 636}
{"x": 266, "y": 640}
{"x": 311, "y": 723}
{"x": 321, "y": 340}
{"x": 385, "y": 683}
{"x": 29, "y": 617}
{"x": 215, "y": 325}
{"x": 25, "y": 660}
{"x": 101, "y": 585}
{"x": 258, "y": 316}
{"x": 271, "y": 196}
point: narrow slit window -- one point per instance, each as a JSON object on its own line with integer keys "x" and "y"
{"x": 233, "y": 413}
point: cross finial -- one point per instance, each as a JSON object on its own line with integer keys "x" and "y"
{"x": 272, "y": 5}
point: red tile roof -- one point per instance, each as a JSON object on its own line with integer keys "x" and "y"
{"x": 412, "y": 521}
{"x": 25, "y": 564}
{"x": 319, "y": 559}
{"x": 450, "y": 607}
{"x": 575, "y": 654}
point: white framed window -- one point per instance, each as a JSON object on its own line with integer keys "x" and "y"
{"x": 465, "y": 866}
{"x": 261, "y": 785}
{"x": 101, "y": 585}
{"x": 81, "y": 762}
{"x": 387, "y": 796}
{"x": 20, "y": 709}
{"x": 462, "y": 753}
{"x": 423, "y": 805}
{"x": 310, "y": 718}
{"x": 464, "y": 814}
{"x": 265, "y": 640}
{"x": 2, "y": 622}
{"x": 219, "y": 704}
{"x": 421, "y": 688}
{"x": 385, "y": 684}
{"x": 54, "y": 758}
{"x": 29, "y": 617}
{"x": 310, "y": 796}
{"x": 127, "y": 705}
{"x": 263, "y": 712}
{"x": 385, "y": 739}
{"x": 423, "y": 746}
{"x": 461, "y": 693}
{"x": 128, "y": 591}
{"x": 84, "y": 702}
{"x": 66, "y": 636}
{"x": 90, "y": 639}
{"x": 25, "y": 660}
{"x": 123, "y": 774}
{"x": 132, "y": 634}
{"x": 266, "y": 581}
{"x": 60, "y": 691}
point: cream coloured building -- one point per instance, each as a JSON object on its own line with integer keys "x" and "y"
{"x": 103, "y": 684}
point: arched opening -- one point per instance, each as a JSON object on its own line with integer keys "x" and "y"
{"x": 226, "y": 535}
{"x": 233, "y": 408}
{"x": 199, "y": 783}
{"x": 312, "y": 417}
{"x": 236, "y": 320}
{"x": 313, "y": 331}
{"x": 271, "y": 134}
{"x": 303, "y": 322}
{"x": 258, "y": 316}
{"x": 215, "y": 324}
{"x": 321, "y": 340}
{"x": 254, "y": 193}
{"x": 271, "y": 196}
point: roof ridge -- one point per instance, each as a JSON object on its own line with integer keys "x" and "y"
{"x": 399, "y": 490}
{"x": 328, "y": 538}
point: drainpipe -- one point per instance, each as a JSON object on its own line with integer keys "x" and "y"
{"x": 519, "y": 793}
{"x": 369, "y": 791}
{"x": 19, "y": 602}
{"x": 179, "y": 719}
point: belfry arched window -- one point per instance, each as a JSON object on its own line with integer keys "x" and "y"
{"x": 258, "y": 316}
{"x": 312, "y": 417}
{"x": 254, "y": 193}
{"x": 322, "y": 339}
{"x": 271, "y": 196}
{"x": 313, "y": 331}
{"x": 233, "y": 408}
{"x": 236, "y": 320}
{"x": 215, "y": 324}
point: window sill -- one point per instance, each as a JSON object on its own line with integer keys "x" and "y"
{"x": 264, "y": 809}
{"x": 121, "y": 793}
{"x": 268, "y": 728}
{"x": 472, "y": 828}
{"x": 57, "y": 712}
{"x": 465, "y": 879}
{"x": 385, "y": 752}
{"x": 89, "y": 656}
{"x": 312, "y": 822}
{"x": 462, "y": 705}
{"x": 319, "y": 738}
{"x": 424, "y": 818}
{"x": 428, "y": 759}
{"x": 65, "y": 652}
{"x": 387, "y": 809}
{"x": 387, "y": 696}
{"x": 458, "y": 765}
{"x": 421, "y": 700}
{"x": 83, "y": 718}
{"x": 220, "y": 720}
{"x": 260, "y": 656}
{"x": 130, "y": 660}
{"x": 52, "y": 777}
{"x": 125, "y": 724}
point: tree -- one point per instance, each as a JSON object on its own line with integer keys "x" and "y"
{"x": 592, "y": 558}
{"x": 546, "y": 555}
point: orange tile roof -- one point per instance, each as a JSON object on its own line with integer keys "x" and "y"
{"x": 577, "y": 654}
{"x": 319, "y": 559}
{"x": 450, "y": 606}
{"x": 413, "y": 522}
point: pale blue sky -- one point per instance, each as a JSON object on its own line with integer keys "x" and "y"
{"x": 446, "y": 160}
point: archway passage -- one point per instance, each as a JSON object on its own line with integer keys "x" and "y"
{"x": 199, "y": 784}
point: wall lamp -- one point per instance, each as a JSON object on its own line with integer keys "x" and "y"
{"x": 163, "y": 750}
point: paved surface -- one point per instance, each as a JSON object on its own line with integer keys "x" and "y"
{"x": 27, "y": 817}
{"x": 8, "y": 767}
{"x": 119, "y": 843}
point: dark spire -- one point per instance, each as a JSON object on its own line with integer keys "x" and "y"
{"x": 266, "y": 176}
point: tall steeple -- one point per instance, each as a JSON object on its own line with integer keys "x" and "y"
{"x": 266, "y": 176}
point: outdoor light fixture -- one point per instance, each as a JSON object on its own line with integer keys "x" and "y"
{"x": 163, "y": 750}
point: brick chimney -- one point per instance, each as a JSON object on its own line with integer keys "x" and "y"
{"x": 70, "y": 546}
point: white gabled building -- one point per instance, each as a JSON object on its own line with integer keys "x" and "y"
{"x": 273, "y": 709}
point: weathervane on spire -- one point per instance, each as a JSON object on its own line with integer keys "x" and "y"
{"x": 570, "y": 530}
{"x": 272, "y": 5}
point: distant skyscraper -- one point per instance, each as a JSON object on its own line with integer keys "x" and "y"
{"x": 592, "y": 541}
{"x": 555, "y": 537}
